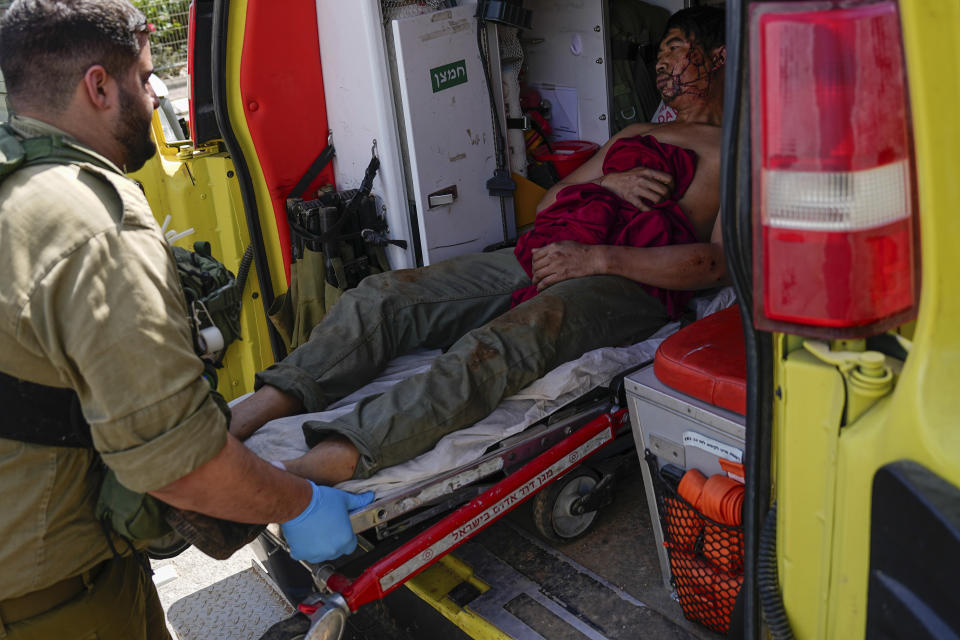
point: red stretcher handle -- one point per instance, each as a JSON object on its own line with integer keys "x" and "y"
{"x": 418, "y": 554}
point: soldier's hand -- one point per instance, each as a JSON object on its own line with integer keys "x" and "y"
{"x": 323, "y": 530}
{"x": 641, "y": 187}
{"x": 564, "y": 260}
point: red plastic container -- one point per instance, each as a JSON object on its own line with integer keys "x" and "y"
{"x": 567, "y": 155}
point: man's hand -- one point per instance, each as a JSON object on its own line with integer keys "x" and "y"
{"x": 639, "y": 186}
{"x": 564, "y": 260}
{"x": 323, "y": 530}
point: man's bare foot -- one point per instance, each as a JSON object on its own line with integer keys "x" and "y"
{"x": 266, "y": 404}
{"x": 332, "y": 461}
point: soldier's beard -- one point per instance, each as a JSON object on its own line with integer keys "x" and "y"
{"x": 133, "y": 132}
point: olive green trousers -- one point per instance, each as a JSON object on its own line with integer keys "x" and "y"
{"x": 121, "y": 604}
{"x": 461, "y": 305}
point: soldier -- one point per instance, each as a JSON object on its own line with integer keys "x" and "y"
{"x": 92, "y": 316}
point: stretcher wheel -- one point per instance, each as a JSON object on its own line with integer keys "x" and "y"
{"x": 553, "y": 507}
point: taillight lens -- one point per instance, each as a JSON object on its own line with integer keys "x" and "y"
{"x": 833, "y": 169}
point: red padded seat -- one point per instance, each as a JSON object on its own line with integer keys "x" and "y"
{"x": 707, "y": 360}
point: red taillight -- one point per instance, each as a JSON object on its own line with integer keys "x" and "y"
{"x": 833, "y": 171}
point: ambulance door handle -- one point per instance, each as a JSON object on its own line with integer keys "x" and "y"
{"x": 443, "y": 197}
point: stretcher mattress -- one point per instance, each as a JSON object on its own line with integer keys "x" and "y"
{"x": 283, "y": 439}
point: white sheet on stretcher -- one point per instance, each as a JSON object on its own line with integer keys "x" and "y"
{"x": 283, "y": 439}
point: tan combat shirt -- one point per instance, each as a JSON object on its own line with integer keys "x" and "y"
{"x": 90, "y": 299}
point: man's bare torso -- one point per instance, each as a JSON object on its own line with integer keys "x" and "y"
{"x": 701, "y": 202}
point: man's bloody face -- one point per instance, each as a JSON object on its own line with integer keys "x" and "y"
{"x": 683, "y": 69}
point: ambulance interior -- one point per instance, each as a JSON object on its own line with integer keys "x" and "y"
{"x": 405, "y": 82}
{"x": 578, "y": 73}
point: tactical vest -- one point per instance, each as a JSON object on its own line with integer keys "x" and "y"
{"x": 36, "y": 413}
{"x": 51, "y": 416}
{"x": 213, "y": 294}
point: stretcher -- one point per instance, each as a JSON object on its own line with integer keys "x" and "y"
{"x": 531, "y": 440}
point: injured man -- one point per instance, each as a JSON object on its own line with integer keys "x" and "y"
{"x": 616, "y": 249}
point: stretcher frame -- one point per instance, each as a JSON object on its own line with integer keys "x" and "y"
{"x": 532, "y": 460}
{"x": 454, "y": 487}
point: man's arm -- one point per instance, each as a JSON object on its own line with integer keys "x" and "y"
{"x": 592, "y": 169}
{"x": 699, "y": 265}
{"x": 237, "y": 485}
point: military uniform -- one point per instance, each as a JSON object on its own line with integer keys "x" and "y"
{"x": 90, "y": 301}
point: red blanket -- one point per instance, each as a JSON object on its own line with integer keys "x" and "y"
{"x": 589, "y": 214}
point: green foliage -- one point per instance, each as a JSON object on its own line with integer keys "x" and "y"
{"x": 168, "y": 43}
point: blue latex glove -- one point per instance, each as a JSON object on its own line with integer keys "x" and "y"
{"x": 323, "y": 531}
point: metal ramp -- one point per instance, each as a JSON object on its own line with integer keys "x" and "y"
{"x": 240, "y": 607}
